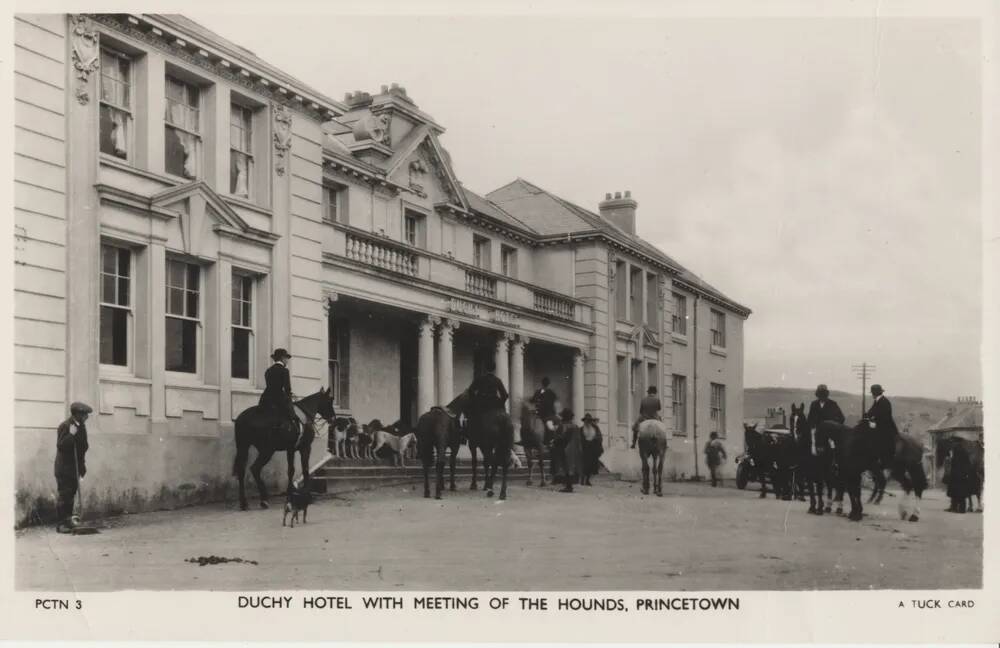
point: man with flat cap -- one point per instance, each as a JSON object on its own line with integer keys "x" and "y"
{"x": 880, "y": 420}
{"x": 649, "y": 408}
{"x": 70, "y": 464}
{"x": 823, "y": 409}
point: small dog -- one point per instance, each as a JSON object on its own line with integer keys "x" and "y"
{"x": 299, "y": 499}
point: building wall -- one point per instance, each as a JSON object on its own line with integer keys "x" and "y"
{"x": 40, "y": 213}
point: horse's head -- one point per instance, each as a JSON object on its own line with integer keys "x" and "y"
{"x": 321, "y": 404}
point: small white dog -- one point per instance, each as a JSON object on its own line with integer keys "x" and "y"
{"x": 398, "y": 444}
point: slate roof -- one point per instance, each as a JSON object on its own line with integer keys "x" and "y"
{"x": 487, "y": 208}
{"x": 967, "y": 416}
{"x": 551, "y": 215}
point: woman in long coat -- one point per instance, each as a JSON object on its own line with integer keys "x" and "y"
{"x": 572, "y": 440}
{"x": 593, "y": 448}
{"x": 960, "y": 477}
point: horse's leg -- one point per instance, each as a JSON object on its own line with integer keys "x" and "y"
{"x": 290, "y": 456}
{"x": 426, "y": 461}
{"x": 658, "y": 475}
{"x": 304, "y": 454}
{"x": 541, "y": 465}
{"x": 491, "y": 472}
{"x": 644, "y": 456}
{"x": 503, "y": 480}
{"x": 451, "y": 463}
{"x": 439, "y": 460}
{"x": 763, "y": 483}
{"x": 240, "y": 469}
{"x": 854, "y": 493}
{"x": 528, "y": 456}
{"x": 473, "y": 449}
{"x": 263, "y": 456}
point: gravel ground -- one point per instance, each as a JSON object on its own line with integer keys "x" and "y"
{"x": 606, "y": 537}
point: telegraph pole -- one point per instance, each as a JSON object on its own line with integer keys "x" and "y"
{"x": 863, "y": 371}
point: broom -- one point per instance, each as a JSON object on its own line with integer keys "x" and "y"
{"x": 79, "y": 529}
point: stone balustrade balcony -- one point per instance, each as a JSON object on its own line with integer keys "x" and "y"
{"x": 365, "y": 250}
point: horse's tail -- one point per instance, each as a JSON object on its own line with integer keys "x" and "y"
{"x": 919, "y": 478}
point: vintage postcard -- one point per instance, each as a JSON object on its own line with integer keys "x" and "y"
{"x": 502, "y": 322}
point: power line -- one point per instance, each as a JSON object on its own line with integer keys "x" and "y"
{"x": 863, "y": 371}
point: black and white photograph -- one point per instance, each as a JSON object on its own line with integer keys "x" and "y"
{"x": 634, "y": 301}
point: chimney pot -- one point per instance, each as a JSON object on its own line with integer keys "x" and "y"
{"x": 618, "y": 195}
{"x": 628, "y": 194}
{"x": 385, "y": 88}
{"x": 607, "y": 196}
{"x": 395, "y": 86}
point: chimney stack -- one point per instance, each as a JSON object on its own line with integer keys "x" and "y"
{"x": 619, "y": 210}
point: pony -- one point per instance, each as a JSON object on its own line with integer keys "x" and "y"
{"x": 257, "y": 427}
{"x": 493, "y": 433}
{"x": 652, "y": 439}
{"x": 532, "y": 440}
{"x": 815, "y": 458}
{"x": 774, "y": 456}
{"x": 856, "y": 450}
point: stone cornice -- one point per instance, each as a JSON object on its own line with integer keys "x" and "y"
{"x": 172, "y": 39}
{"x": 732, "y": 306}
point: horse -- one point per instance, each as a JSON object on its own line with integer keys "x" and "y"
{"x": 438, "y": 430}
{"x": 815, "y": 458}
{"x": 652, "y": 439}
{"x": 532, "y": 440}
{"x": 856, "y": 450}
{"x": 774, "y": 457}
{"x": 493, "y": 433}
{"x": 258, "y": 428}
{"x": 966, "y": 483}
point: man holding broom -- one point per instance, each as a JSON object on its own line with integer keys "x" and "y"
{"x": 71, "y": 448}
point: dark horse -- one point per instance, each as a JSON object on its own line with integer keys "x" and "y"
{"x": 533, "y": 440}
{"x": 856, "y": 450}
{"x": 815, "y": 460}
{"x": 493, "y": 433}
{"x": 773, "y": 455}
{"x": 437, "y": 432}
{"x": 258, "y": 428}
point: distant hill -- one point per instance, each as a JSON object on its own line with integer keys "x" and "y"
{"x": 917, "y": 414}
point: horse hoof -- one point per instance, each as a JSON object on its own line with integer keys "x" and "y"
{"x": 854, "y": 517}
{"x": 474, "y": 486}
{"x": 264, "y": 504}
{"x": 438, "y": 496}
{"x": 527, "y": 483}
{"x": 763, "y": 495}
{"x": 819, "y": 511}
{"x": 914, "y": 518}
{"x": 453, "y": 487}
{"x": 827, "y": 509}
{"x": 427, "y": 495}
{"x": 503, "y": 496}
{"x": 489, "y": 493}
{"x": 645, "y": 491}
{"x": 659, "y": 494}
{"x": 812, "y": 509}
{"x": 244, "y": 506}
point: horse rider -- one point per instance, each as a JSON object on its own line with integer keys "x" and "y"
{"x": 70, "y": 464}
{"x": 277, "y": 396}
{"x": 823, "y": 409}
{"x": 544, "y": 401}
{"x": 649, "y": 408}
{"x": 880, "y": 420}
{"x": 487, "y": 393}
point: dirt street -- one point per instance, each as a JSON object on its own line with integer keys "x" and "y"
{"x": 607, "y": 537}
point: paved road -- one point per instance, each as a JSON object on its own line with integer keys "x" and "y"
{"x": 607, "y": 537}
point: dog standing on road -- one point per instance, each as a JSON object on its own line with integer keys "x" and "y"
{"x": 299, "y": 499}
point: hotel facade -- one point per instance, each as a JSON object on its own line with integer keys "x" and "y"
{"x": 182, "y": 208}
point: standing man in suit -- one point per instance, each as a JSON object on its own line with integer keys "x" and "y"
{"x": 880, "y": 420}
{"x": 277, "y": 396}
{"x": 823, "y": 409}
{"x": 70, "y": 467}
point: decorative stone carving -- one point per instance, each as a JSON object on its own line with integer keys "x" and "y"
{"x": 86, "y": 54}
{"x": 282, "y": 137}
{"x": 612, "y": 268}
{"x": 447, "y": 329}
{"x": 329, "y": 296}
{"x": 374, "y": 128}
{"x": 417, "y": 172}
{"x": 427, "y": 152}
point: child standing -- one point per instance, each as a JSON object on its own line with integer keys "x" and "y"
{"x": 715, "y": 453}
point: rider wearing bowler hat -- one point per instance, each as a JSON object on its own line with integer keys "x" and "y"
{"x": 823, "y": 409}
{"x": 880, "y": 420}
{"x": 277, "y": 396}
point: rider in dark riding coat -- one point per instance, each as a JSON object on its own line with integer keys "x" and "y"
{"x": 487, "y": 392}
{"x": 649, "y": 408}
{"x": 277, "y": 396}
{"x": 882, "y": 424}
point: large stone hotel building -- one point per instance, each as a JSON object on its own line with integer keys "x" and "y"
{"x": 183, "y": 207}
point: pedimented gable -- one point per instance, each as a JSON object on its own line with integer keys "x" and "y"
{"x": 424, "y": 166}
{"x": 202, "y": 216}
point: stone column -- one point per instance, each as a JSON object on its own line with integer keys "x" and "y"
{"x": 516, "y": 386}
{"x": 445, "y": 361}
{"x": 502, "y": 360}
{"x": 425, "y": 365}
{"x": 578, "y": 405}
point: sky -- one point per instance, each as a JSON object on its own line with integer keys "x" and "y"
{"x": 823, "y": 172}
